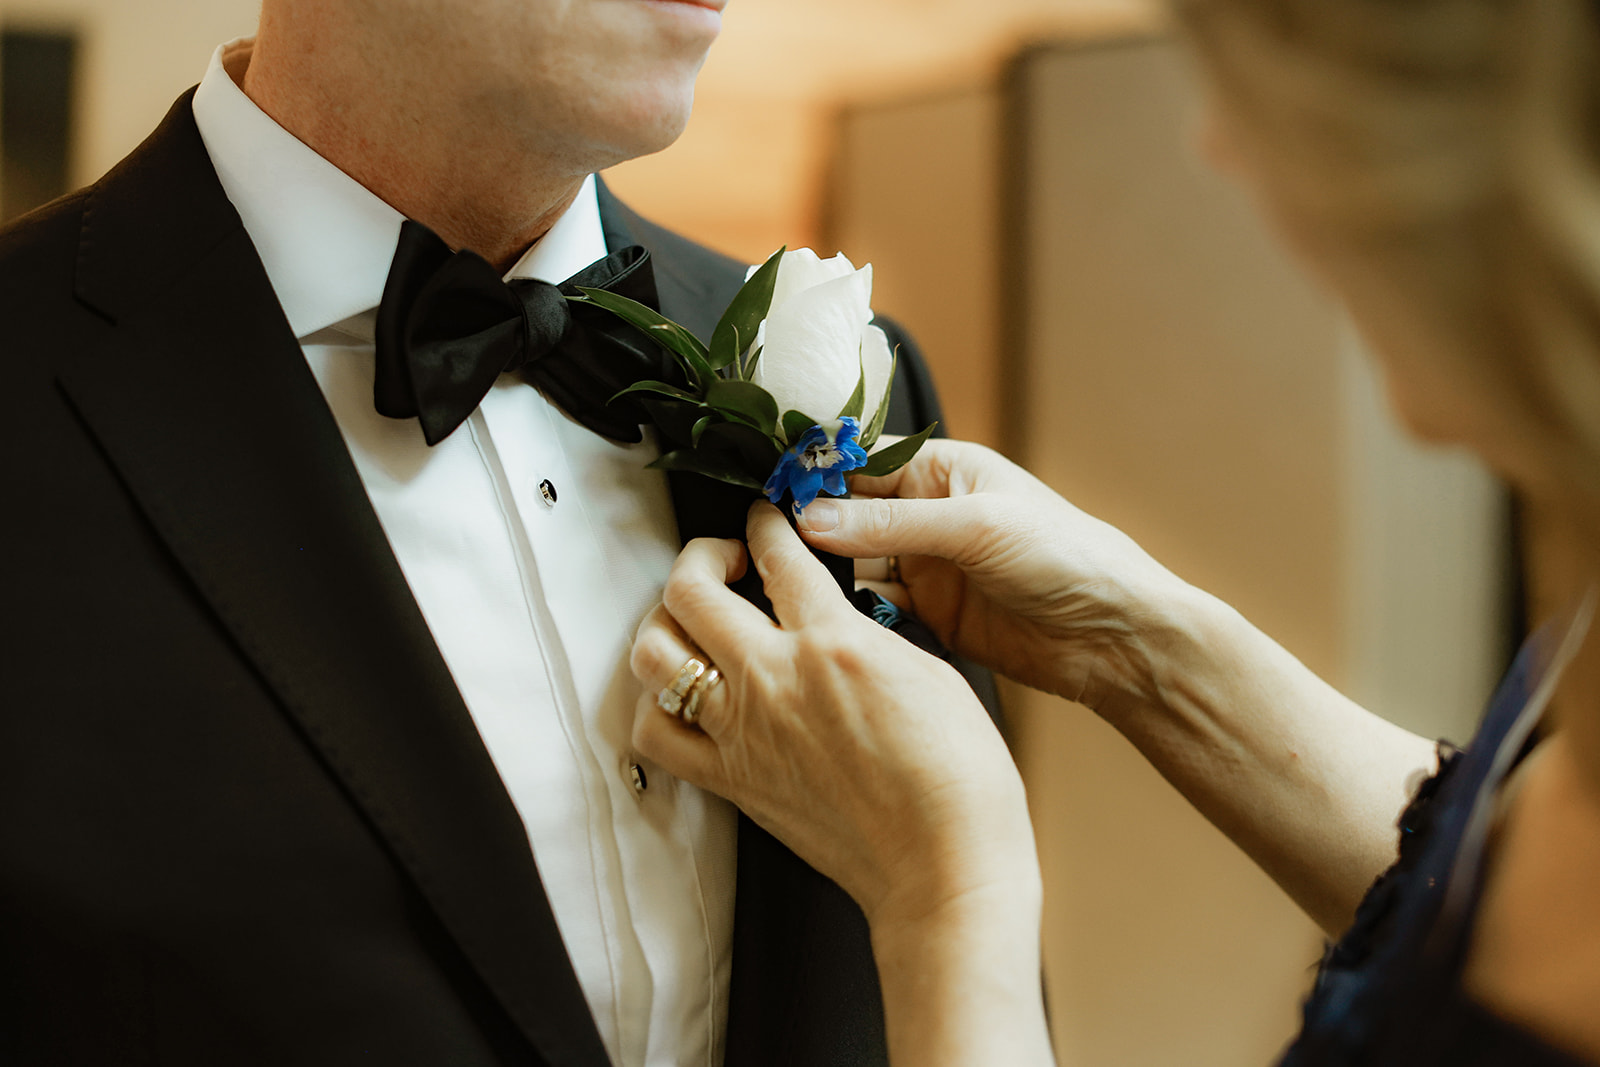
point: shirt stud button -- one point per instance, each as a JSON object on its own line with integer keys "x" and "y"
{"x": 640, "y": 782}
{"x": 547, "y": 489}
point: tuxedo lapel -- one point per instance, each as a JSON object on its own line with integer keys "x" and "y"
{"x": 205, "y": 407}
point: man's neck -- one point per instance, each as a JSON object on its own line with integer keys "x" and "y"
{"x": 474, "y": 189}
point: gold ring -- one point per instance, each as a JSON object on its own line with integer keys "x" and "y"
{"x": 702, "y": 685}
{"x": 670, "y": 699}
{"x": 892, "y": 564}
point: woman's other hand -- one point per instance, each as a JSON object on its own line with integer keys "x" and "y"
{"x": 1009, "y": 574}
{"x": 869, "y": 758}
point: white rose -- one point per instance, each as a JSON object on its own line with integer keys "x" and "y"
{"x": 817, "y": 338}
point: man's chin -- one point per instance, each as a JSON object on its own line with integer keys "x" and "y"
{"x": 645, "y": 130}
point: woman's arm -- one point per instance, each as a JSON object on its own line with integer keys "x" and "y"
{"x": 1009, "y": 574}
{"x": 1309, "y": 784}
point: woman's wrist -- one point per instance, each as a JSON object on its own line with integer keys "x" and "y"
{"x": 973, "y": 841}
{"x": 1154, "y": 631}
{"x": 1004, "y": 906}
{"x": 962, "y": 983}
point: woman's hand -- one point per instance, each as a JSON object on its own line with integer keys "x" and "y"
{"x": 869, "y": 758}
{"x": 875, "y": 763}
{"x": 1009, "y": 574}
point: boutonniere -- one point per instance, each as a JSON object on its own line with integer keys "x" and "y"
{"x": 791, "y": 393}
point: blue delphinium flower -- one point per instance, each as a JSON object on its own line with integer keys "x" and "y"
{"x": 817, "y": 463}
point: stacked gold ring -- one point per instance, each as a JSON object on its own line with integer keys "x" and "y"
{"x": 681, "y": 696}
{"x": 702, "y": 685}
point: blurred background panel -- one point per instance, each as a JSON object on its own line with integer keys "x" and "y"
{"x": 914, "y": 188}
{"x": 1093, "y": 301}
{"x": 37, "y": 77}
{"x": 133, "y": 59}
{"x": 1171, "y": 373}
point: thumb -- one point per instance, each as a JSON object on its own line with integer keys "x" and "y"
{"x": 948, "y": 528}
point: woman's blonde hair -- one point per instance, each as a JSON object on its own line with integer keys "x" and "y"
{"x": 1462, "y": 136}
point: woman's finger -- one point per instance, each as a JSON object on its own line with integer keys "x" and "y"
{"x": 946, "y": 528}
{"x": 672, "y": 669}
{"x": 681, "y": 750}
{"x": 799, "y": 586}
{"x": 656, "y": 636}
{"x": 697, "y": 595}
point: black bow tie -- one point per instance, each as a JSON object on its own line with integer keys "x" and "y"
{"x": 448, "y": 326}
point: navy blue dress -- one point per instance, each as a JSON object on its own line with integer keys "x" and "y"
{"x": 1389, "y": 994}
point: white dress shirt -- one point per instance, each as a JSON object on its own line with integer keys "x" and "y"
{"x": 533, "y": 597}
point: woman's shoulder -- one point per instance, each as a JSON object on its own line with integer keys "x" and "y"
{"x": 1534, "y": 956}
{"x": 1393, "y": 990}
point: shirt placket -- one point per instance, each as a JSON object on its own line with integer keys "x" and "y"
{"x": 582, "y": 631}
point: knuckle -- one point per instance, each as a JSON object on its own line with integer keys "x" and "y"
{"x": 882, "y": 517}
{"x": 684, "y": 594}
{"x": 849, "y": 658}
{"x": 679, "y": 585}
{"x": 650, "y": 653}
{"x": 824, "y": 647}
{"x": 776, "y": 566}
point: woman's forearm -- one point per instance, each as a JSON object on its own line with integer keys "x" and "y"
{"x": 1307, "y": 782}
{"x": 962, "y": 987}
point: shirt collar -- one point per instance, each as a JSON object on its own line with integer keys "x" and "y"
{"x": 324, "y": 239}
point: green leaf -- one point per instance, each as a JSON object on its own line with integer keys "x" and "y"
{"x": 674, "y": 418}
{"x": 660, "y": 329}
{"x": 757, "y": 453}
{"x": 684, "y": 459}
{"x": 722, "y": 368}
{"x": 699, "y": 429}
{"x": 745, "y": 313}
{"x": 874, "y": 430}
{"x": 894, "y": 456}
{"x": 745, "y": 401}
{"x": 795, "y": 425}
{"x": 750, "y": 364}
{"x": 660, "y": 389}
{"x": 858, "y": 400}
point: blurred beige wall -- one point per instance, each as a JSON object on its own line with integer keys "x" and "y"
{"x": 1179, "y": 382}
{"x": 929, "y": 221}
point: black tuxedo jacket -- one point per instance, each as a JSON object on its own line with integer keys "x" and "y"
{"x": 245, "y": 816}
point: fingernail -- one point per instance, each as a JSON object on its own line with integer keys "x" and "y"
{"x": 819, "y": 516}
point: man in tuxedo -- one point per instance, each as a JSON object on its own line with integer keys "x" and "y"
{"x": 314, "y": 736}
